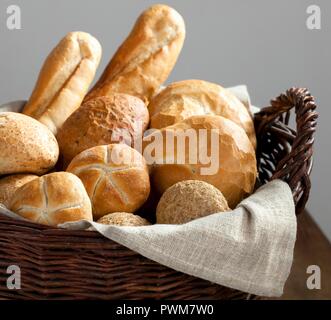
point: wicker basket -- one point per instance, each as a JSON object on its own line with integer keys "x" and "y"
{"x": 63, "y": 264}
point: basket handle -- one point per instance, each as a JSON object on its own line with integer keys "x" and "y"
{"x": 289, "y": 152}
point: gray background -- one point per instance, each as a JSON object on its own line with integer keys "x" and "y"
{"x": 264, "y": 44}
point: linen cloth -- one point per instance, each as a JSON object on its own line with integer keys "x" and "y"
{"x": 248, "y": 249}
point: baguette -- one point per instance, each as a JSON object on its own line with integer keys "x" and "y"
{"x": 145, "y": 59}
{"x": 64, "y": 79}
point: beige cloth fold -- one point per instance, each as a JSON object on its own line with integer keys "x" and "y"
{"x": 249, "y": 248}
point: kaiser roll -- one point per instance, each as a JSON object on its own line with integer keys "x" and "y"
{"x": 104, "y": 120}
{"x": 115, "y": 176}
{"x": 10, "y": 184}
{"x": 123, "y": 219}
{"x": 52, "y": 199}
{"x": 189, "y": 200}
{"x": 208, "y": 148}
{"x": 183, "y": 99}
{"x": 26, "y": 145}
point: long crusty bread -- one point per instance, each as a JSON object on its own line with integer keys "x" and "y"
{"x": 145, "y": 59}
{"x": 64, "y": 79}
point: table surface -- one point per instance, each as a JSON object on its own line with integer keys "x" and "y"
{"x": 312, "y": 248}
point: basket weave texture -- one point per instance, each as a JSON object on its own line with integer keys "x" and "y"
{"x": 65, "y": 264}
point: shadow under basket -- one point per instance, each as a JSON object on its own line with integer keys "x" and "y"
{"x": 64, "y": 264}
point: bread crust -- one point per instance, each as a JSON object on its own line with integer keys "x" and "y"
{"x": 115, "y": 176}
{"x": 26, "y": 145}
{"x": 236, "y": 169}
{"x": 64, "y": 79}
{"x": 52, "y": 199}
{"x": 145, "y": 59}
{"x": 10, "y": 184}
{"x": 123, "y": 219}
{"x": 183, "y": 99}
{"x": 100, "y": 121}
{"x": 188, "y": 200}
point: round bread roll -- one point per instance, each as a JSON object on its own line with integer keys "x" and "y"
{"x": 104, "y": 120}
{"x": 208, "y": 148}
{"x": 189, "y": 200}
{"x": 115, "y": 176}
{"x": 123, "y": 219}
{"x": 26, "y": 145}
{"x": 10, "y": 184}
{"x": 183, "y": 99}
{"x": 52, "y": 199}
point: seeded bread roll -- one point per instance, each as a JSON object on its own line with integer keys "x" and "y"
{"x": 52, "y": 199}
{"x": 10, "y": 184}
{"x": 145, "y": 59}
{"x": 208, "y": 148}
{"x": 189, "y": 200}
{"x": 183, "y": 99}
{"x": 64, "y": 79}
{"x": 101, "y": 121}
{"x": 123, "y": 219}
{"x": 115, "y": 177}
{"x": 26, "y": 145}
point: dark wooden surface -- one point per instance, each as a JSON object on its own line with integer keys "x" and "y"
{"x": 312, "y": 248}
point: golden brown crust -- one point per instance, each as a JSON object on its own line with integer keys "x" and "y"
{"x": 123, "y": 219}
{"x": 52, "y": 199}
{"x": 64, "y": 79}
{"x": 183, "y": 99}
{"x": 145, "y": 59}
{"x": 234, "y": 162}
{"x": 10, "y": 184}
{"x": 188, "y": 200}
{"x": 115, "y": 176}
{"x": 100, "y": 121}
{"x": 26, "y": 145}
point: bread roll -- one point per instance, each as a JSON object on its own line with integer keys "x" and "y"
{"x": 64, "y": 79}
{"x": 52, "y": 199}
{"x": 208, "y": 148}
{"x": 147, "y": 56}
{"x": 188, "y": 200}
{"x": 183, "y": 99}
{"x": 10, "y": 184}
{"x": 26, "y": 145}
{"x": 115, "y": 177}
{"x": 104, "y": 120}
{"x": 123, "y": 219}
